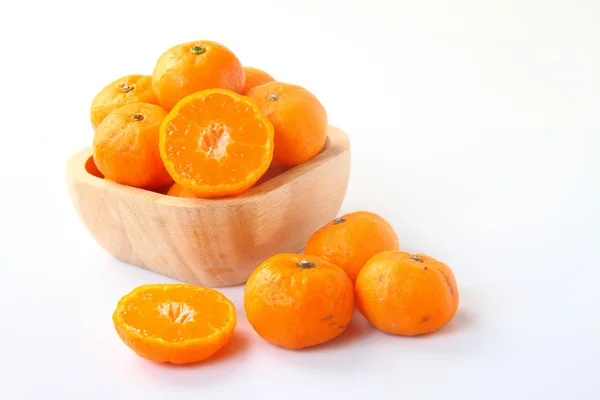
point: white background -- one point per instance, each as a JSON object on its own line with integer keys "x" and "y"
{"x": 475, "y": 129}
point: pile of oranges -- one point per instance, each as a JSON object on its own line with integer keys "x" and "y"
{"x": 203, "y": 125}
{"x": 297, "y": 301}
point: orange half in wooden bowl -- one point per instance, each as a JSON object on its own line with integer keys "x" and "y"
{"x": 211, "y": 242}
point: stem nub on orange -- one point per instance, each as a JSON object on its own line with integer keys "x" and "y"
{"x": 406, "y": 294}
{"x": 125, "y": 90}
{"x": 349, "y": 241}
{"x": 296, "y": 301}
{"x": 194, "y": 66}
{"x": 125, "y": 146}
{"x": 299, "y": 119}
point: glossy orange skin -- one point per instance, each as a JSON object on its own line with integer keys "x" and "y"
{"x": 179, "y": 72}
{"x": 297, "y": 308}
{"x": 126, "y": 151}
{"x": 299, "y": 119}
{"x": 162, "y": 336}
{"x": 125, "y": 90}
{"x": 350, "y": 241}
{"x": 255, "y": 77}
{"x": 402, "y": 296}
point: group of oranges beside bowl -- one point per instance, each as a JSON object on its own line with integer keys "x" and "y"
{"x": 297, "y": 301}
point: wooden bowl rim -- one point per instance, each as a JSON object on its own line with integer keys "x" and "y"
{"x": 337, "y": 143}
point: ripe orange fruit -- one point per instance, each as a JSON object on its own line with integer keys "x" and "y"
{"x": 297, "y": 301}
{"x": 174, "y": 323}
{"x": 406, "y": 294}
{"x": 299, "y": 119}
{"x": 216, "y": 143}
{"x": 126, "y": 146}
{"x": 255, "y": 77}
{"x": 177, "y": 190}
{"x": 351, "y": 240}
{"x": 194, "y": 66}
{"x": 125, "y": 90}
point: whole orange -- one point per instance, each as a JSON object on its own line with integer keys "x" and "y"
{"x": 126, "y": 146}
{"x": 351, "y": 240}
{"x": 194, "y": 66}
{"x": 125, "y": 90}
{"x": 299, "y": 119}
{"x": 255, "y": 77}
{"x": 297, "y": 301}
{"x": 405, "y": 294}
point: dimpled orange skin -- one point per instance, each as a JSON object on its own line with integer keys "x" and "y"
{"x": 125, "y": 90}
{"x": 295, "y": 307}
{"x": 299, "y": 119}
{"x": 403, "y": 296}
{"x": 351, "y": 240}
{"x": 126, "y": 150}
{"x": 182, "y": 70}
{"x": 255, "y": 77}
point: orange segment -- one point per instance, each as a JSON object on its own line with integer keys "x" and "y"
{"x": 216, "y": 143}
{"x": 175, "y": 323}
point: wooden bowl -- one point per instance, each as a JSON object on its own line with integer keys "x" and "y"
{"x": 211, "y": 242}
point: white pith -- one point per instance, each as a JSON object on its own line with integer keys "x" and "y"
{"x": 178, "y": 312}
{"x": 220, "y": 149}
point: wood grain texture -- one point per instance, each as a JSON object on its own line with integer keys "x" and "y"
{"x": 212, "y": 242}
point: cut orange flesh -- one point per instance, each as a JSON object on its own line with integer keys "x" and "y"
{"x": 216, "y": 143}
{"x": 175, "y": 323}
